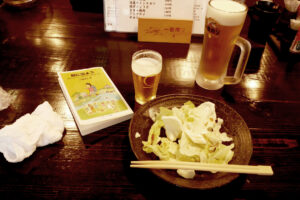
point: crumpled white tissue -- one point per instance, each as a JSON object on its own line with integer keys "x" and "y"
{"x": 5, "y": 99}
{"x": 40, "y": 128}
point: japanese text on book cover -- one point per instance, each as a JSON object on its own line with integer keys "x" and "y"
{"x": 92, "y": 93}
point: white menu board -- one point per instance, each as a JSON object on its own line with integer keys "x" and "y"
{"x": 122, "y": 15}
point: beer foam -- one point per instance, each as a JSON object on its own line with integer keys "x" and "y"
{"x": 146, "y": 67}
{"x": 227, "y": 12}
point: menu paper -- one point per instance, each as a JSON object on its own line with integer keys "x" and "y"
{"x": 93, "y": 99}
{"x": 123, "y": 15}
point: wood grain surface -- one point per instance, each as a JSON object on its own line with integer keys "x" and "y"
{"x": 51, "y": 37}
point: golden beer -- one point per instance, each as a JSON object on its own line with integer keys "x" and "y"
{"x": 146, "y": 69}
{"x": 223, "y": 24}
{"x": 218, "y": 50}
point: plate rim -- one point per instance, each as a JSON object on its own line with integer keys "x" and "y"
{"x": 158, "y": 172}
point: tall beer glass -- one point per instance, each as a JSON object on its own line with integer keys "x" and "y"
{"x": 146, "y": 69}
{"x": 223, "y": 24}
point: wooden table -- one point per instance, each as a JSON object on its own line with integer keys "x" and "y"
{"x": 37, "y": 43}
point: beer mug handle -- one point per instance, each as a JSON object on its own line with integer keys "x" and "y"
{"x": 245, "y": 47}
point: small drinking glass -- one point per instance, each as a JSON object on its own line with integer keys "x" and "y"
{"x": 146, "y": 68}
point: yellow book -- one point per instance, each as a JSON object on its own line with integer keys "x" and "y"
{"x": 93, "y": 99}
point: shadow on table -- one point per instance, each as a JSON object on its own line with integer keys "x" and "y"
{"x": 33, "y": 162}
{"x": 152, "y": 187}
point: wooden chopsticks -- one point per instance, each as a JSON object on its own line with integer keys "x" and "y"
{"x": 231, "y": 168}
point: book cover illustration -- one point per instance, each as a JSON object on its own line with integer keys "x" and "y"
{"x": 92, "y": 93}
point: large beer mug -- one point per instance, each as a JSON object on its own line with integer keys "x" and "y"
{"x": 146, "y": 68}
{"x": 223, "y": 24}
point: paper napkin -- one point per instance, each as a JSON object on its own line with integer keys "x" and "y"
{"x": 40, "y": 128}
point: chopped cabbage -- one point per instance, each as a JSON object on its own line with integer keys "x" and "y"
{"x": 186, "y": 173}
{"x": 197, "y": 139}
